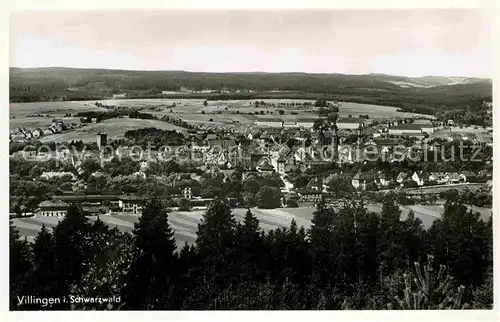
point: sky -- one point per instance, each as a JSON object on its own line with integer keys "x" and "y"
{"x": 441, "y": 42}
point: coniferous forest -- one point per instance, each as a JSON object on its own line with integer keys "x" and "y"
{"x": 348, "y": 259}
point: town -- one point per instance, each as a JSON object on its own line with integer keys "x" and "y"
{"x": 251, "y": 160}
{"x": 306, "y": 159}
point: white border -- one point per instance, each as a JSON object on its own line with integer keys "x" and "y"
{"x": 12, "y": 5}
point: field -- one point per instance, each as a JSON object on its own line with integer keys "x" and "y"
{"x": 185, "y": 224}
{"x": 457, "y": 133}
{"x": 195, "y": 106}
{"x": 115, "y": 128}
{"x": 56, "y": 109}
{"x": 216, "y": 113}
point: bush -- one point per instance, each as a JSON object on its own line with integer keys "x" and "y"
{"x": 292, "y": 203}
{"x": 185, "y": 205}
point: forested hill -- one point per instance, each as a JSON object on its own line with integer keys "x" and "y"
{"x": 38, "y": 84}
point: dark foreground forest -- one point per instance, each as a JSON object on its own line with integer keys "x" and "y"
{"x": 348, "y": 259}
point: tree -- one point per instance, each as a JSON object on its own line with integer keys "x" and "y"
{"x": 320, "y": 103}
{"x": 390, "y": 246}
{"x": 281, "y": 112}
{"x": 292, "y": 203}
{"x": 151, "y": 279}
{"x": 205, "y": 103}
{"x": 430, "y": 291}
{"x": 215, "y": 245}
{"x": 249, "y": 244}
{"x": 216, "y": 229}
{"x": 462, "y": 241}
{"x": 112, "y": 253}
{"x": 42, "y": 278}
{"x": 184, "y": 204}
{"x": 72, "y": 251}
{"x": 321, "y": 236}
{"x": 268, "y": 198}
{"x": 20, "y": 265}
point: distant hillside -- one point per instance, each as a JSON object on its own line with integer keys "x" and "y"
{"x": 412, "y": 94}
{"x": 428, "y": 81}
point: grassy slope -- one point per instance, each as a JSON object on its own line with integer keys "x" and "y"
{"x": 185, "y": 223}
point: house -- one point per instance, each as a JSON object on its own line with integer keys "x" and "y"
{"x": 307, "y": 123}
{"x": 28, "y": 135}
{"x": 383, "y": 180}
{"x": 57, "y": 122}
{"x": 350, "y": 123}
{"x": 401, "y": 177}
{"x": 360, "y": 180}
{"x": 211, "y": 136}
{"x": 290, "y": 123}
{"x": 438, "y": 177}
{"x": 49, "y": 131}
{"x": 453, "y": 177}
{"x": 130, "y": 204}
{"x": 186, "y": 193}
{"x": 57, "y": 174}
{"x": 49, "y": 208}
{"x": 269, "y": 122}
{"x": 427, "y": 128}
{"x": 18, "y": 137}
{"x": 468, "y": 176}
{"x": 406, "y": 129}
{"x": 265, "y": 166}
{"x": 315, "y": 184}
{"x": 37, "y": 133}
{"x": 420, "y": 177}
{"x": 280, "y": 165}
{"x": 200, "y": 146}
{"x": 309, "y": 195}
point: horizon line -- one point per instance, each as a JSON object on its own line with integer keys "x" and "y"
{"x": 247, "y": 72}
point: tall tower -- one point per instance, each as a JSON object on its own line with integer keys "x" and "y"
{"x": 360, "y": 133}
{"x": 335, "y": 141}
{"x": 101, "y": 139}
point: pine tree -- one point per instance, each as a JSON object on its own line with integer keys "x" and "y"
{"x": 462, "y": 242}
{"x": 249, "y": 247}
{"x": 215, "y": 234}
{"x": 413, "y": 239}
{"x": 43, "y": 277}
{"x": 111, "y": 255}
{"x": 430, "y": 291}
{"x": 321, "y": 239}
{"x": 390, "y": 247}
{"x": 72, "y": 252}
{"x": 20, "y": 265}
{"x": 150, "y": 281}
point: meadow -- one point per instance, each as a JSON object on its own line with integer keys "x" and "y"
{"x": 217, "y": 113}
{"x": 114, "y": 128}
{"x": 185, "y": 224}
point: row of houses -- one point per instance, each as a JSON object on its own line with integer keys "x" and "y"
{"x": 412, "y": 129}
{"x": 308, "y": 123}
{"x": 23, "y": 135}
{"x": 417, "y": 178}
{"x": 92, "y": 204}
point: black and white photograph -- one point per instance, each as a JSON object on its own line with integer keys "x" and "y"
{"x": 250, "y": 159}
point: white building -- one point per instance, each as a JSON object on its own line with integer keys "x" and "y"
{"x": 290, "y": 123}
{"x": 350, "y": 123}
{"x": 307, "y": 123}
{"x": 269, "y": 122}
{"x": 50, "y": 208}
{"x": 406, "y": 129}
